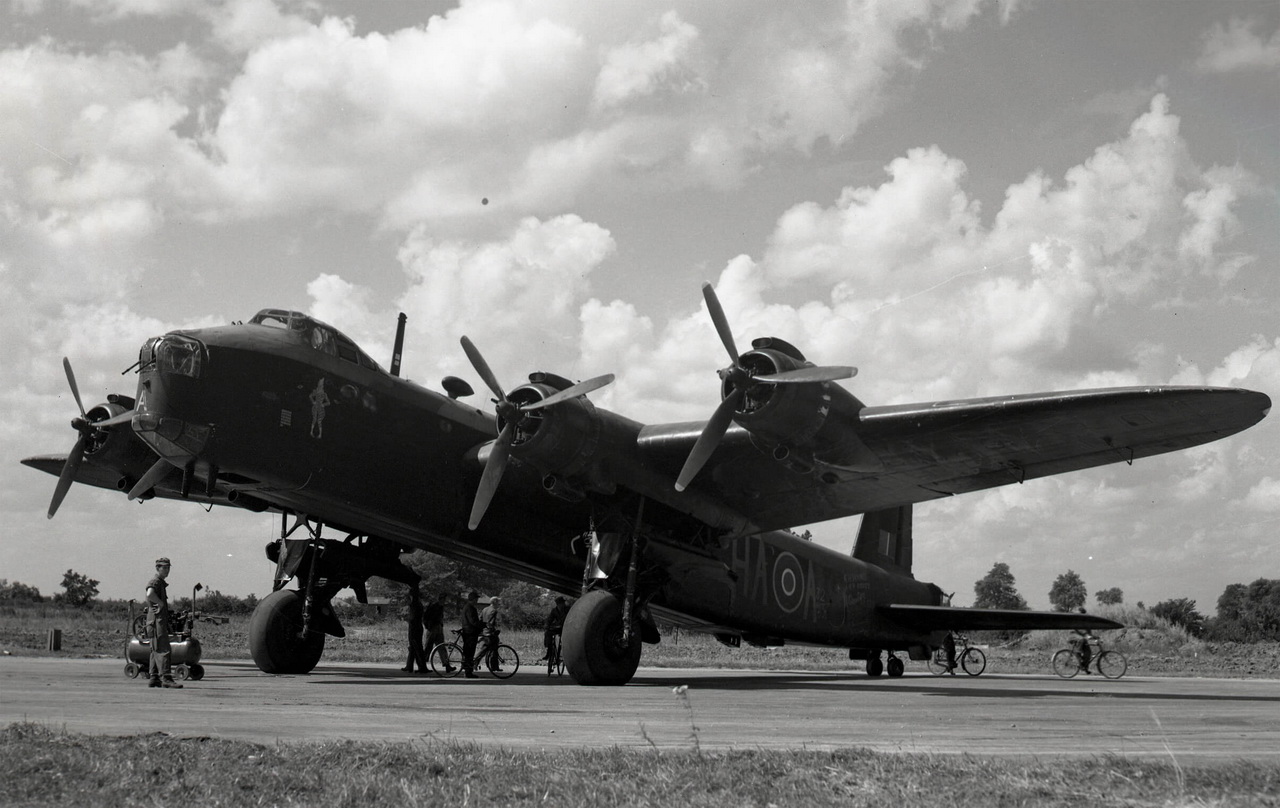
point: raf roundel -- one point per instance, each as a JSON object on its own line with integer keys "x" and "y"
{"x": 788, "y": 582}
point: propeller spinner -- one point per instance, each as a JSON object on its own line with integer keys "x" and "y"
{"x": 86, "y": 428}
{"x": 738, "y": 379}
{"x": 512, "y": 415}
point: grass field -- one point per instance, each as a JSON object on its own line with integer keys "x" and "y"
{"x": 40, "y": 766}
{"x": 43, "y": 766}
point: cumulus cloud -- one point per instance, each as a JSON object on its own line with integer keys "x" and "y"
{"x": 1135, "y": 221}
{"x": 423, "y": 122}
{"x": 1240, "y": 45}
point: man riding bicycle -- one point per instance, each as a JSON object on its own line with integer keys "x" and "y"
{"x": 1083, "y": 646}
{"x": 554, "y": 627}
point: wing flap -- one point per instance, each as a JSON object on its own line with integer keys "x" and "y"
{"x": 951, "y": 618}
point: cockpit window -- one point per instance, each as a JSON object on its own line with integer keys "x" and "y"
{"x": 320, "y": 337}
{"x": 280, "y": 318}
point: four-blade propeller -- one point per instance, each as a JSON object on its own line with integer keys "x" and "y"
{"x": 85, "y": 428}
{"x": 738, "y": 379}
{"x": 513, "y": 415}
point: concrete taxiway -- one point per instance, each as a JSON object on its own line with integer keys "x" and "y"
{"x": 1190, "y": 720}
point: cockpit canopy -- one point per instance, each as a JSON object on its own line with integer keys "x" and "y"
{"x": 321, "y": 337}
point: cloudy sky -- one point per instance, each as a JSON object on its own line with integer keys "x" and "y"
{"x": 961, "y": 198}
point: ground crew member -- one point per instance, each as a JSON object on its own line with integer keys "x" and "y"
{"x": 489, "y": 617}
{"x": 417, "y": 656}
{"x": 433, "y": 621}
{"x": 471, "y": 626}
{"x": 158, "y": 624}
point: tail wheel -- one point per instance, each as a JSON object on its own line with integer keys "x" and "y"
{"x": 1112, "y": 664}
{"x": 594, "y": 653}
{"x": 1066, "y": 663}
{"x": 275, "y": 635}
{"x": 973, "y": 661}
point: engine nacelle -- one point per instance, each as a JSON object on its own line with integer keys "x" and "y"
{"x": 560, "y": 440}
{"x": 799, "y": 422}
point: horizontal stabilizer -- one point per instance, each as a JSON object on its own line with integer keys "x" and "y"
{"x": 951, "y": 618}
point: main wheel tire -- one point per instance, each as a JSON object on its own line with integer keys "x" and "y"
{"x": 875, "y": 666}
{"x": 1112, "y": 664}
{"x": 973, "y": 661}
{"x": 274, "y": 640}
{"x": 1066, "y": 663}
{"x": 895, "y": 667}
{"x": 594, "y": 653}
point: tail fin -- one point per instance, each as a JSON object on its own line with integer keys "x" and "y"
{"x": 885, "y": 539}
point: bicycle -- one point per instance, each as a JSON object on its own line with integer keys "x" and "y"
{"x": 1069, "y": 661}
{"x": 499, "y": 659}
{"x": 555, "y": 657}
{"x": 971, "y": 659}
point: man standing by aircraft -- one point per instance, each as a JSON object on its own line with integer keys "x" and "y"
{"x": 417, "y": 656}
{"x": 471, "y": 627}
{"x": 158, "y": 625}
{"x": 433, "y": 621}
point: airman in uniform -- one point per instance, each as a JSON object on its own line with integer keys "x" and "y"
{"x": 158, "y": 625}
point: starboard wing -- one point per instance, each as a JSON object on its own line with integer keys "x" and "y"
{"x": 929, "y": 451}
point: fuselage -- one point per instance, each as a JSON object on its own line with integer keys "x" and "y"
{"x": 288, "y": 412}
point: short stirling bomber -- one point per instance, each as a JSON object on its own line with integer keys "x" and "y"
{"x": 681, "y": 522}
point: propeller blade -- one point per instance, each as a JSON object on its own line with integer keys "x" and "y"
{"x": 721, "y": 322}
{"x": 71, "y": 380}
{"x": 709, "y": 439}
{"x": 493, "y": 469}
{"x": 67, "y": 476}
{"x": 579, "y": 389}
{"x": 154, "y": 475}
{"x": 122, "y": 418}
{"x": 808, "y": 375}
{"x": 482, "y": 367}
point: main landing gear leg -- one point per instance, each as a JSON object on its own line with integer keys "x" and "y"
{"x": 599, "y": 643}
{"x": 282, "y": 638}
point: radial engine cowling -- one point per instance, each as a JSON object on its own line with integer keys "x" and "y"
{"x": 558, "y": 441}
{"x": 799, "y": 422}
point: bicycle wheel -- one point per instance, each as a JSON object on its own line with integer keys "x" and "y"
{"x": 502, "y": 661}
{"x": 973, "y": 661}
{"x": 1066, "y": 663}
{"x": 555, "y": 660}
{"x": 938, "y": 662}
{"x": 1112, "y": 664}
{"x": 446, "y": 659}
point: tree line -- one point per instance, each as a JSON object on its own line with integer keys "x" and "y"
{"x": 1245, "y": 612}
